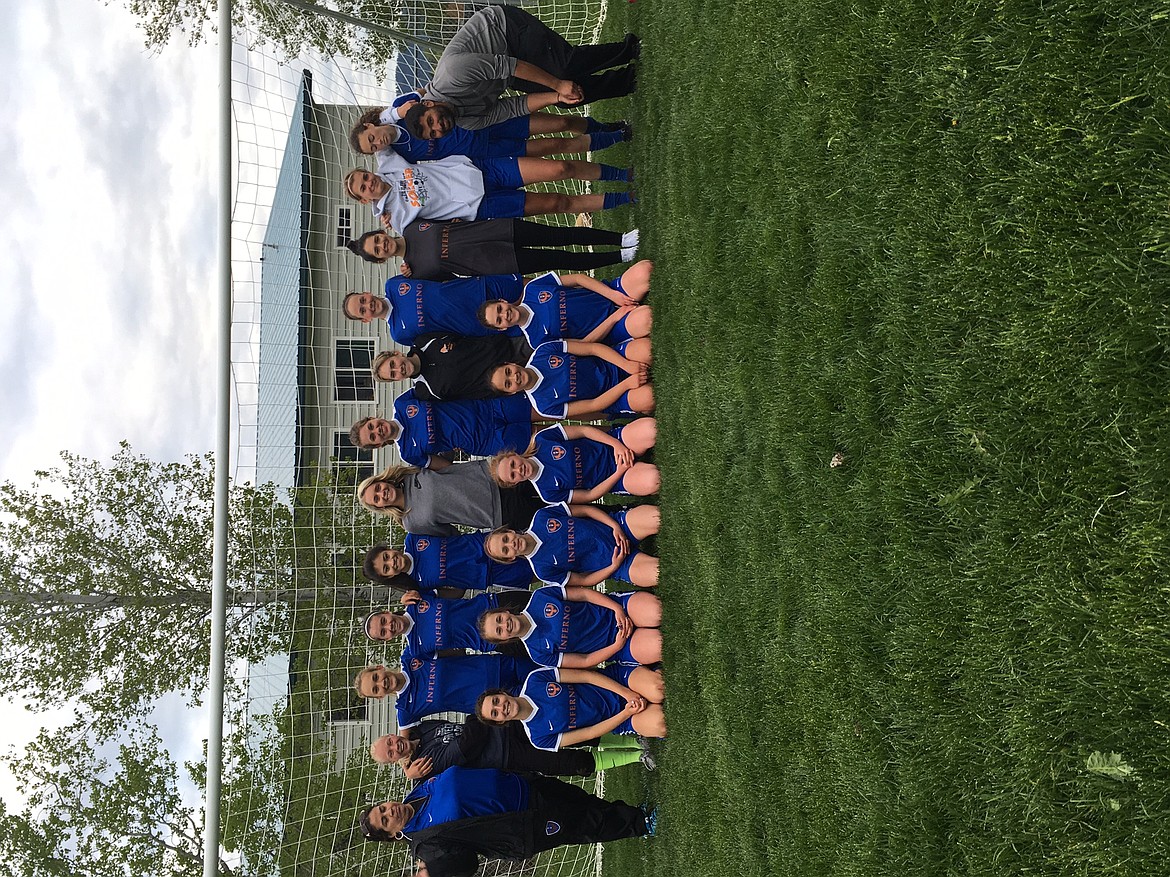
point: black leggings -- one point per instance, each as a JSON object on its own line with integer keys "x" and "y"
{"x": 528, "y": 237}
{"x": 570, "y": 815}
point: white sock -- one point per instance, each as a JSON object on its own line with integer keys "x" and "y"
{"x": 630, "y": 240}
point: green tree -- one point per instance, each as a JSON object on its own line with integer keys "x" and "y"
{"x": 105, "y": 573}
{"x": 88, "y": 816}
{"x": 294, "y": 29}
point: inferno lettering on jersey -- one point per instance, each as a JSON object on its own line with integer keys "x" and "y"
{"x": 563, "y": 314}
{"x": 572, "y": 714}
{"x": 432, "y": 678}
{"x": 565, "y": 630}
{"x": 437, "y": 623}
{"x": 418, "y": 306}
{"x": 571, "y": 542}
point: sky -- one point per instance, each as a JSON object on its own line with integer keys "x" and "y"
{"x": 107, "y": 317}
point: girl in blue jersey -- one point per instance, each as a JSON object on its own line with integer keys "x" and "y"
{"x": 582, "y": 379}
{"x": 425, "y": 686}
{"x": 433, "y": 627}
{"x": 562, "y": 707}
{"x": 380, "y": 129}
{"x": 424, "y": 429}
{"x": 577, "y": 627}
{"x": 413, "y": 307}
{"x": 582, "y": 545}
{"x": 576, "y": 306}
{"x": 577, "y": 464}
{"x": 434, "y": 562}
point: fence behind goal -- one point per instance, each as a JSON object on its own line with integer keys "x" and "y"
{"x": 297, "y": 767}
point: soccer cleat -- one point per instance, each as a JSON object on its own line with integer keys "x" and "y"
{"x": 651, "y": 820}
{"x": 647, "y": 760}
{"x": 630, "y": 239}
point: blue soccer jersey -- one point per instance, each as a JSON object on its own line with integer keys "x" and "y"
{"x": 560, "y": 707}
{"x": 461, "y": 562}
{"x": 561, "y": 311}
{"x": 476, "y": 426}
{"x": 569, "y": 464}
{"x": 506, "y": 139}
{"x": 441, "y": 685}
{"x": 561, "y": 625}
{"x": 565, "y": 544}
{"x": 439, "y": 623}
{"x": 465, "y": 793}
{"x": 419, "y": 307}
{"x": 563, "y": 378}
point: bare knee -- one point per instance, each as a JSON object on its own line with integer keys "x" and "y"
{"x": 561, "y": 203}
{"x": 562, "y": 168}
{"x": 640, "y": 321}
{"x": 645, "y": 610}
{"x": 639, "y": 350}
{"x": 651, "y": 479}
{"x": 636, "y": 278}
{"x": 646, "y": 646}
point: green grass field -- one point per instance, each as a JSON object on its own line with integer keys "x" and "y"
{"x": 932, "y": 237}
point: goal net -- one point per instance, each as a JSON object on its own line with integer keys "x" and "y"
{"x": 297, "y": 767}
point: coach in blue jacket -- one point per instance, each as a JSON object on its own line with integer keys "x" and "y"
{"x": 463, "y": 813}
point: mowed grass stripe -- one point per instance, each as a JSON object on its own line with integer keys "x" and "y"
{"x": 932, "y": 236}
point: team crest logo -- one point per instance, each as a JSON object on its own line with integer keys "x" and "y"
{"x": 447, "y": 347}
{"x": 422, "y": 606}
{"x": 544, "y": 296}
{"x": 553, "y": 525}
{"x": 421, "y": 544}
{"x": 555, "y": 361}
{"x": 551, "y": 610}
{"x": 558, "y": 452}
{"x": 551, "y": 827}
{"x": 552, "y": 689}
{"x": 411, "y": 410}
{"x": 403, "y": 288}
{"x": 423, "y": 226}
{"x": 415, "y": 664}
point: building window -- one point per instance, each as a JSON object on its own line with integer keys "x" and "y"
{"x": 353, "y": 381}
{"x": 344, "y": 226}
{"x": 350, "y": 464}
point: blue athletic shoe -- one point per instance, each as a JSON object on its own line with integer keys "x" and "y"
{"x": 651, "y": 820}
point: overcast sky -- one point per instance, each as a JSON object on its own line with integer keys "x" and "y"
{"x": 108, "y": 154}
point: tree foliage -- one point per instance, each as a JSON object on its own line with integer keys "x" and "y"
{"x": 89, "y": 816}
{"x": 293, "y": 30}
{"x": 122, "y": 808}
{"x": 105, "y": 573}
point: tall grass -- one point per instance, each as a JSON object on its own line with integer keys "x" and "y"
{"x": 933, "y": 237}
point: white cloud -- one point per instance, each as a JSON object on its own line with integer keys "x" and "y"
{"x": 107, "y": 318}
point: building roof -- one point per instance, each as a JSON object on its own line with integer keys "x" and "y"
{"x": 283, "y": 277}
